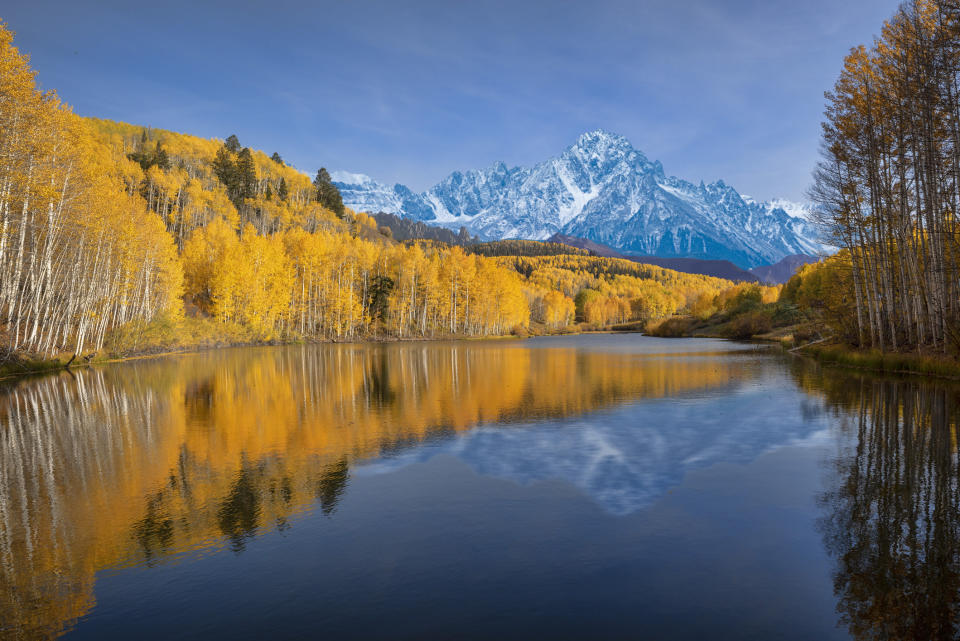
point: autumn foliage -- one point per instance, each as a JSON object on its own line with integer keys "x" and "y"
{"x": 887, "y": 184}
{"x": 79, "y": 253}
{"x": 108, "y": 226}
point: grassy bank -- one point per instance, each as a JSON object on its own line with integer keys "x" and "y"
{"x": 134, "y": 340}
{"x": 771, "y": 322}
{"x": 743, "y": 312}
{"x": 883, "y": 362}
{"x": 22, "y": 366}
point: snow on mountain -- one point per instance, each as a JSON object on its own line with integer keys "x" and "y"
{"x": 603, "y": 189}
{"x": 795, "y": 210}
{"x": 361, "y": 193}
{"x": 351, "y": 179}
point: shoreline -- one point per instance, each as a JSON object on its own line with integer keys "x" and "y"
{"x": 27, "y": 367}
{"x": 832, "y": 355}
{"x": 876, "y": 362}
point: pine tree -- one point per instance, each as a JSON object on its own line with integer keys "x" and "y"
{"x": 232, "y": 143}
{"x": 277, "y": 159}
{"x": 161, "y": 159}
{"x": 246, "y": 175}
{"x": 332, "y": 200}
{"x": 327, "y": 193}
{"x": 282, "y": 192}
{"x": 323, "y": 178}
{"x": 225, "y": 168}
{"x": 268, "y": 193}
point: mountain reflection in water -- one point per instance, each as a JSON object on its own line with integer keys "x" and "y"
{"x": 137, "y": 464}
{"x": 626, "y": 458}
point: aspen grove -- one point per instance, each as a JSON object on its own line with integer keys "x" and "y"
{"x": 106, "y": 226}
{"x": 888, "y": 184}
{"x": 78, "y": 255}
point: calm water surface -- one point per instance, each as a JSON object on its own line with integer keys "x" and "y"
{"x": 605, "y": 486}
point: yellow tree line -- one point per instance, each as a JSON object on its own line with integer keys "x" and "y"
{"x": 104, "y": 223}
{"x": 333, "y": 285}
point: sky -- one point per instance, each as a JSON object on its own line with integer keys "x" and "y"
{"x": 409, "y": 91}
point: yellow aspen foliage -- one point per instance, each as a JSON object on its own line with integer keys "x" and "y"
{"x": 79, "y": 253}
{"x": 105, "y": 223}
{"x": 558, "y": 309}
{"x": 205, "y": 254}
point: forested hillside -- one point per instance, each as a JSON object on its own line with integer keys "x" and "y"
{"x": 614, "y": 290}
{"x": 525, "y": 248}
{"x": 406, "y": 229}
{"x": 120, "y": 237}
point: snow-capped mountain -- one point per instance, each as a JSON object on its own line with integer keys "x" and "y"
{"x": 603, "y": 189}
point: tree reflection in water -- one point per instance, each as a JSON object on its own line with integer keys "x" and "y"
{"x": 137, "y": 463}
{"x": 891, "y": 518}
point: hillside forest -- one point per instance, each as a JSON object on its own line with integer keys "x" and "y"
{"x": 119, "y": 238}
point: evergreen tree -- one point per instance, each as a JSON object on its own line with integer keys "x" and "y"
{"x": 327, "y": 193}
{"x": 268, "y": 194}
{"x": 333, "y": 201}
{"x": 232, "y": 143}
{"x": 246, "y": 175}
{"x": 147, "y": 159}
{"x": 277, "y": 159}
{"x": 161, "y": 159}
{"x": 282, "y": 190}
{"x": 323, "y": 177}
{"x": 225, "y": 169}
{"x": 141, "y": 158}
{"x": 378, "y": 296}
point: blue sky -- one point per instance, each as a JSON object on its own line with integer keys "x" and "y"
{"x": 408, "y": 91}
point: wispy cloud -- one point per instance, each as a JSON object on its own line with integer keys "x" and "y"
{"x": 407, "y": 92}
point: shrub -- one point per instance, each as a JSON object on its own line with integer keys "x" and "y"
{"x": 674, "y": 327}
{"x": 750, "y": 324}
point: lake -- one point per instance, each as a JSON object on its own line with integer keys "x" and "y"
{"x": 586, "y": 487}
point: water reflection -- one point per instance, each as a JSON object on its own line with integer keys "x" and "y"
{"x": 627, "y": 458}
{"x": 132, "y": 464}
{"x": 891, "y": 518}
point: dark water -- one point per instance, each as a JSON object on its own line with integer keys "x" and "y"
{"x": 593, "y": 487}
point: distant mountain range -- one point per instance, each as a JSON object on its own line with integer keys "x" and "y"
{"x": 775, "y": 274}
{"x": 782, "y": 271}
{"x": 601, "y": 189}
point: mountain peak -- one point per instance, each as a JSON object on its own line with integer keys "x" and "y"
{"x": 601, "y": 188}
{"x": 348, "y": 178}
{"x": 602, "y": 141}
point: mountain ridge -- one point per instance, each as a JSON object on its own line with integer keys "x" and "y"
{"x": 782, "y": 271}
{"x": 716, "y": 268}
{"x": 602, "y": 189}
